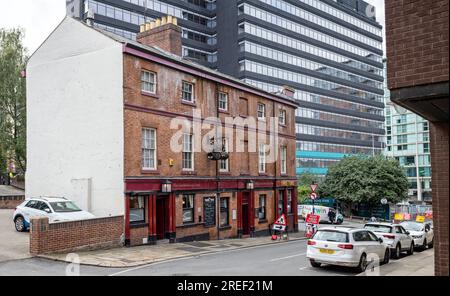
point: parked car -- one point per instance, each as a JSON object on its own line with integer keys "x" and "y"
{"x": 422, "y": 233}
{"x": 346, "y": 247}
{"x": 57, "y": 209}
{"x": 395, "y": 236}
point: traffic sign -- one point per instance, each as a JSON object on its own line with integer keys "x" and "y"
{"x": 313, "y": 196}
{"x": 384, "y": 201}
{"x": 312, "y": 219}
{"x": 281, "y": 221}
{"x": 313, "y": 187}
{"x": 279, "y": 227}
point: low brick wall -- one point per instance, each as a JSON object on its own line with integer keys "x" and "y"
{"x": 75, "y": 236}
{"x": 11, "y": 202}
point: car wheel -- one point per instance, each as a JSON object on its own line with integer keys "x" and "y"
{"x": 19, "y": 223}
{"x": 411, "y": 249}
{"x": 397, "y": 252}
{"x": 431, "y": 245}
{"x": 315, "y": 264}
{"x": 362, "y": 263}
{"x": 387, "y": 257}
{"x": 424, "y": 245}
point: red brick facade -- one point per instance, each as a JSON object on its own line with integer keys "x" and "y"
{"x": 67, "y": 237}
{"x": 418, "y": 74}
{"x": 157, "y": 110}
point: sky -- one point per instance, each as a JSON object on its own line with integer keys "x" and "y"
{"x": 39, "y": 17}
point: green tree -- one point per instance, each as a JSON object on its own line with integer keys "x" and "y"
{"x": 360, "y": 179}
{"x": 13, "y": 60}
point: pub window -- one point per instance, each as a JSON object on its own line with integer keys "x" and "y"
{"x": 188, "y": 208}
{"x": 280, "y": 202}
{"x": 137, "y": 209}
{"x": 223, "y": 101}
{"x": 188, "y": 154}
{"x": 262, "y": 207}
{"x": 289, "y": 202}
{"x": 149, "y": 148}
{"x": 282, "y": 118}
{"x": 148, "y": 82}
{"x": 283, "y": 159}
{"x": 187, "y": 92}
{"x": 261, "y": 111}
{"x": 262, "y": 158}
{"x": 224, "y": 212}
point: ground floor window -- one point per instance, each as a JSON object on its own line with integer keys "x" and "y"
{"x": 262, "y": 207}
{"x": 280, "y": 202}
{"x": 188, "y": 208}
{"x": 137, "y": 209}
{"x": 224, "y": 212}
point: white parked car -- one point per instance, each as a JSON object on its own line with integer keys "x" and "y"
{"x": 395, "y": 236}
{"x": 346, "y": 247}
{"x": 57, "y": 209}
{"x": 422, "y": 233}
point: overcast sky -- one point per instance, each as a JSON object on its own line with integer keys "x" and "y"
{"x": 40, "y": 17}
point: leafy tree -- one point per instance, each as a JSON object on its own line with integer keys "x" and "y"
{"x": 13, "y": 60}
{"x": 360, "y": 179}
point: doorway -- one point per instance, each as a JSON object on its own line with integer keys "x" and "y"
{"x": 162, "y": 217}
{"x": 245, "y": 214}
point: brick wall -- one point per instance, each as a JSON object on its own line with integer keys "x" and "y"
{"x": 76, "y": 235}
{"x": 10, "y": 202}
{"x": 440, "y": 163}
{"x": 417, "y": 38}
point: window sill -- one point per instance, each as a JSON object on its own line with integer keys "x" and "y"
{"x": 224, "y": 111}
{"x": 188, "y": 103}
{"x": 223, "y": 228}
{"x": 137, "y": 225}
{"x": 189, "y": 173}
{"x": 224, "y": 173}
{"x": 263, "y": 174}
{"x": 243, "y": 116}
{"x": 190, "y": 225}
{"x": 282, "y": 125}
{"x": 263, "y": 221}
{"x": 152, "y": 172}
{"x": 151, "y": 95}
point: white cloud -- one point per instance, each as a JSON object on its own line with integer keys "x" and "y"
{"x": 37, "y": 17}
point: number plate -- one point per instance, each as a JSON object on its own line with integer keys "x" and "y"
{"x": 325, "y": 251}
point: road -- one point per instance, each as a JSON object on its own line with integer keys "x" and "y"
{"x": 287, "y": 259}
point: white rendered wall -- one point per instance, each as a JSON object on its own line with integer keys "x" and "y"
{"x": 75, "y": 119}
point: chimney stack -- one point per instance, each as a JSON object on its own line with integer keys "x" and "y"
{"x": 288, "y": 91}
{"x": 163, "y": 33}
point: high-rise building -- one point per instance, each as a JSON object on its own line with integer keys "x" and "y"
{"x": 408, "y": 141}
{"x": 329, "y": 51}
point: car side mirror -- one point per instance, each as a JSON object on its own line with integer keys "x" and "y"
{"x": 407, "y": 232}
{"x": 380, "y": 240}
{"x": 47, "y": 210}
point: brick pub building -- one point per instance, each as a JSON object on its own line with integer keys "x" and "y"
{"x": 417, "y": 52}
{"x": 117, "y": 98}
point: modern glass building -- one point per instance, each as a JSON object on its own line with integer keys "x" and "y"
{"x": 329, "y": 51}
{"x": 408, "y": 141}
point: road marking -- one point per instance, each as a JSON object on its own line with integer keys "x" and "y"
{"x": 287, "y": 257}
{"x": 204, "y": 255}
{"x": 303, "y": 268}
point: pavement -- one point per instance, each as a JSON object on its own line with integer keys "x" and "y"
{"x": 10, "y": 191}
{"x": 13, "y": 245}
{"x": 142, "y": 255}
{"x": 420, "y": 264}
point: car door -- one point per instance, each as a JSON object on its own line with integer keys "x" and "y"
{"x": 407, "y": 239}
{"x": 362, "y": 242}
{"x": 378, "y": 247}
{"x": 29, "y": 210}
{"x": 400, "y": 236}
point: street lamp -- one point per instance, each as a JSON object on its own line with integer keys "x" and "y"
{"x": 250, "y": 185}
{"x": 166, "y": 187}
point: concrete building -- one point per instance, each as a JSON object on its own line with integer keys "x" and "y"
{"x": 329, "y": 51}
{"x": 418, "y": 77}
{"x": 408, "y": 141}
{"x": 106, "y": 116}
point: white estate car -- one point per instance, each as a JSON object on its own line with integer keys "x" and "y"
{"x": 422, "y": 233}
{"x": 346, "y": 247}
{"x": 57, "y": 209}
{"x": 395, "y": 236}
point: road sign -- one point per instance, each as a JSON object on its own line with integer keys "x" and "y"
{"x": 312, "y": 219}
{"x": 281, "y": 221}
{"x": 313, "y": 187}
{"x": 384, "y": 201}
{"x": 313, "y": 196}
{"x": 279, "y": 227}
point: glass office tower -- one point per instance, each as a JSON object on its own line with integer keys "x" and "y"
{"x": 329, "y": 51}
{"x": 408, "y": 141}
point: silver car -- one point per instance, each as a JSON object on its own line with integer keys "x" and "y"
{"x": 395, "y": 236}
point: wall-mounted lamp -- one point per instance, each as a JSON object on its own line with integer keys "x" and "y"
{"x": 166, "y": 187}
{"x": 250, "y": 185}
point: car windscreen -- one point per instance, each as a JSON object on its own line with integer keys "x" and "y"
{"x": 331, "y": 236}
{"x": 378, "y": 228}
{"x": 64, "y": 207}
{"x": 414, "y": 226}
